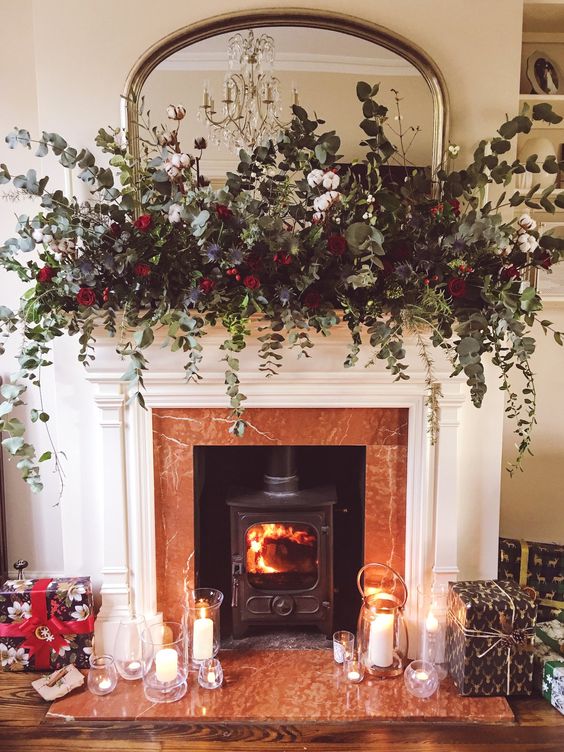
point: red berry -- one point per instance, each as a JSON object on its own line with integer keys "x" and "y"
{"x": 238, "y": 277}
{"x": 426, "y": 281}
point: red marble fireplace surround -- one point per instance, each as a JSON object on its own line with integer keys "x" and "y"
{"x": 383, "y": 431}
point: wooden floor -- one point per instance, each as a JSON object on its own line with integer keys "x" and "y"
{"x": 23, "y": 729}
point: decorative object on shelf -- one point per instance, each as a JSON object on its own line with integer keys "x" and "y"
{"x": 20, "y": 565}
{"x": 432, "y": 617}
{"x": 343, "y": 645}
{"x": 553, "y": 684}
{"x": 489, "y": 641}
{"x": 380, "y": 624}
{"x": 544, "y": 149}
{"x": 210, "y": 674}
{"x": 103, "y": 676}
{"x": 46, "y": 623}
{"x": 165, "y": 662}
{"x": 251, "y": 107}
{"x": 539, "y": 566}
{"x": 422, "y": 257}
{"x": 353, "y": 666}
{"x": 128, "y": 649}
{"x": 59, "y": 683}
{"x": 544, "y": 74}
{"x": 203, "y": 608}
{"x": 421, "y": 679}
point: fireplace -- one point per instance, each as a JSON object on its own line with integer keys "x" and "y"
{"x": 282, "y": 550}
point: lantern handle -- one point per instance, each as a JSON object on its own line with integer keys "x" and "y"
{"x": 385, "y": 566}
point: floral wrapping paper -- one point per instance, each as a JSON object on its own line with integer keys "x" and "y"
{"x": 536, "y": 565}
{"x": 553, "y": 684}
{"x": 490, "y": 630}
{"x": 55, "y": 618}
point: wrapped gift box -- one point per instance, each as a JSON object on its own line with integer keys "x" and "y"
{"x": 536, "y": 565}
{"x": 46, "y": 624}
{"x": 552, "y": 634}
{"x": 553, "y": 684}
{"x": 542, "y": 653}
{"x": 490, "y": 630}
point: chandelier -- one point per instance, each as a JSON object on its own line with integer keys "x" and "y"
{"x": 250, "y": 108}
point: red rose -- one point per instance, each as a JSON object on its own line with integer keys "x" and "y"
{"x": 45, "y": 274}
{"x": 86, "y": 296}
{"x": 545, "y": 260}
{"x": 207, "y": 285}
{"x": 143, "y": 222}
{"x": 141, "y": 269}
{"x": 284, "y": 259}
{"x": 106, "y": 294}
{"x": 509, "y": 272}
{"x": 223, "y": 212}
{"x": 336, "y": 245}
{"x": 454, "y": 205}
{"x": 115, "y": 229}
{"x": 312, "y": 299}
{"x": 457, "y": 287}
{"x": 437, "y": 209}
{"x": 251, "y": 282}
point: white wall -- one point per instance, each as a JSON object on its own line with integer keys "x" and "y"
{"x": 83, "y": 52}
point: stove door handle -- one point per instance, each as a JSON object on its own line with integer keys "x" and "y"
{"x": 235, "y": 591}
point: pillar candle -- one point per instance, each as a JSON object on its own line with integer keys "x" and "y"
{"x": 202, "y": 640}
{"x": 381, "y": 640}
{"x": 166, "y": 664}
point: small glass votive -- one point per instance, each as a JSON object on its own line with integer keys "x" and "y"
{"x": 354, "y": 669}
{"x": 102, "y": 677}
{"x": 210, "y": 674}
{"x": 421, "y": 679}
{"x": 343, "y": 645}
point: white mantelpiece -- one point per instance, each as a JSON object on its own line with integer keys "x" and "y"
{"x": 444, "y": 485}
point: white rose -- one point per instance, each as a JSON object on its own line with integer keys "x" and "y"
{"x": 526, "y": 223}
{"x": 315, "y": 178}
{"x": 174, "y": 213}
{"x": 37, "y": 235}
{"x": 331, "y": 180}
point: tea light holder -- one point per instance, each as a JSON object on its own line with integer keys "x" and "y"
{"x": 165, "y": 662}
{"x": 421, "y": 679}
{"x": 354, "y": 669}
{"x": 343, "y": 645}
{"x": 210, "y": 674}
{"x": 102, "y": 677}
{"x": 128, "y": 652}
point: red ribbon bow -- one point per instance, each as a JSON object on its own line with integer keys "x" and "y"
{"x": 42, "y": 632}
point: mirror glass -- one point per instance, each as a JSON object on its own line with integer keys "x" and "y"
{"x": 319, "y": 67}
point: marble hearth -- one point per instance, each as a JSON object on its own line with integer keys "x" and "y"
{"x": 432, "y": 511}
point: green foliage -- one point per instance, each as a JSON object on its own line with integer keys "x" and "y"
{"x": 295, "y": 236}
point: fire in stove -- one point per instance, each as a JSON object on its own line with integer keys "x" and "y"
{"x": 281, "y": 556}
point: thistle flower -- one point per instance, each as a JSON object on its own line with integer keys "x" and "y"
{"x": 213, "y": 252}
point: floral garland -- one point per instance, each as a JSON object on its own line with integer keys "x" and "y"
{"x": 297, "y": 237}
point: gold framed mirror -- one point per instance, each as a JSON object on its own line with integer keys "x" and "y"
{"x": 394, "y": 46}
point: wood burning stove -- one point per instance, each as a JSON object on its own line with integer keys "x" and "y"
{"x": 282, "y": 551}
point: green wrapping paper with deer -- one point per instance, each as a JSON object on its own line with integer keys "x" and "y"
{"x": 490, "y": 631}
